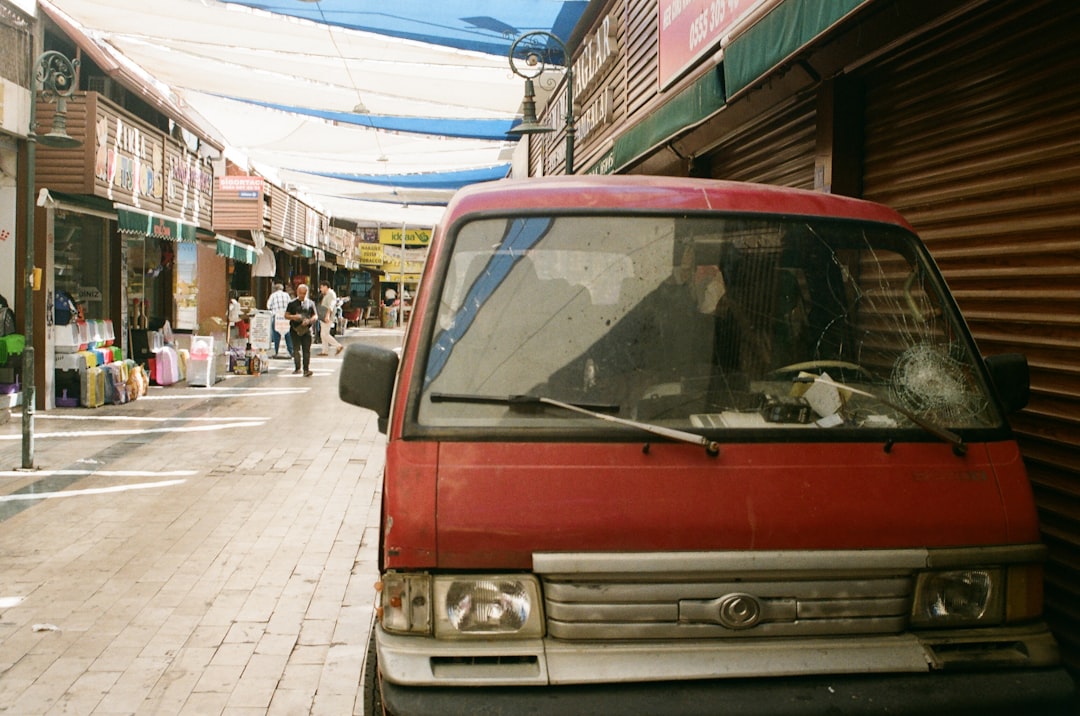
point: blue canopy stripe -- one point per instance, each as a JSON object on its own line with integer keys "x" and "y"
{"x": 493, "y": 129}
{"x": 488, "y": 26}
{"x": 520, "y": 236}
{"x": 427, "y": 180}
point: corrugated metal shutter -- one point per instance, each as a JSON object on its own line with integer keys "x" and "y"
{"x": 972, "y": 135}
{"x": 639, "y": 52}
{"x": 777, "y": 149}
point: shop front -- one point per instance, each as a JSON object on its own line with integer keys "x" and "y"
{"x": 161, "y": 270}
{"x": 404, "y": 252}
{"x": 119, "y": 217}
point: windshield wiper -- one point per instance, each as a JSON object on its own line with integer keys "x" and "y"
{"x": 959, "y": 448}
{"x": 515, "y": 401}
{"x": 598, "y": 411}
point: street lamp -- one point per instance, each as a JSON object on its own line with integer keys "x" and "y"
{"x": 530, "y": 56}
{"x": 56, "y": 75}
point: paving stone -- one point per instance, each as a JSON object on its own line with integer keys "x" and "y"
{"x": 241, "y": 585}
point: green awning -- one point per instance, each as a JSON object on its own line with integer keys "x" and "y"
{"x": 780, "y": 34}
{"x": 147, "y": 223}
{"x": 690, "y": 107}
{"x": 235, "y": 250}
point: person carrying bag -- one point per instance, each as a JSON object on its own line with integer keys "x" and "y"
{"x": 302, "y": 314}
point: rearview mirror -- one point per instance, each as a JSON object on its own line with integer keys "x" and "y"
{"x": 367, "y": 379}
{"x": 1012, "y": 379}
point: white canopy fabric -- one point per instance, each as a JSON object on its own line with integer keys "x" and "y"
{"x": 222, "y": 63}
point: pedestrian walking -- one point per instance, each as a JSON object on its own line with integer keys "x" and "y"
{"x": 232, "y": 316}
{"x": 302, "y": 315}
{"x": 277, "y": 304}
{"x": 327, "y": 314}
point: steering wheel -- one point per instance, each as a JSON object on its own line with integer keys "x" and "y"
{"x": 821, "y": 365}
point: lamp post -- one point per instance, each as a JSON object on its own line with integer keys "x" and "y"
{"x": 56, "y": 75}
{"x": 530, "y": 56}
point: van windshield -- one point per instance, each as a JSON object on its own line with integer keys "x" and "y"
{"x": 703, "y": 323}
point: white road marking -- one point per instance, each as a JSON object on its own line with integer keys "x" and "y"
{"x": 61, "y": 416}
{"x": 140, "y": 431}
{"x": 91, "y": 491}
{"x": 217, "y": 396}
{"x": 104, "y": 473}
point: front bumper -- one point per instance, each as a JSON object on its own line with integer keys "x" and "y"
{"x": 428, "y": 662}
{"x": 1012, "y": 692}
{"x": 1008, "y": 670}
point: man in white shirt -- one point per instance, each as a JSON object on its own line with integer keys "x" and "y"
{"x": 276, "y": 304}
{"x": 327, "y": 313}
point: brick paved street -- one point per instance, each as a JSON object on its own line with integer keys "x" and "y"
{"x": 197, "y": 551}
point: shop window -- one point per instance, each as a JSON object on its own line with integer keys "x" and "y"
{"x": 81, "y": 262}
{"x": 151, "y": 265}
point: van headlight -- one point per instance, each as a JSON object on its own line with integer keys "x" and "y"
{"x": 960, "y": 597}
{"x": 462, "y": 606}
{"x": 487, "y": 606}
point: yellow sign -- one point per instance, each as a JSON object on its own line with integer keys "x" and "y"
{"x": 411, "y": 278}
{"x": 371, "y": 254}
{"x": 413, "y": 237}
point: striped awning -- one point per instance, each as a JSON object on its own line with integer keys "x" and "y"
{"x": 147, "y": 223}
{"x": 233, "y": 249}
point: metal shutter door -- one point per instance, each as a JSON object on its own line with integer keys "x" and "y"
{"x": 972, "y": 135}
{"x": 778, "y": 149}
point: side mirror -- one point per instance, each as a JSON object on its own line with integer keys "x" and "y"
{"x": 1012, "y": 379}
{"x": 367, "y": 379}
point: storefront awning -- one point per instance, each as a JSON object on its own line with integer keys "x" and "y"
{"x": 690, "y": 107}
{"x": 79, "y": 203}
{"x": 233, "y": 249}
{"x": 147, "y": 223}
{"x": 780, "y": 34}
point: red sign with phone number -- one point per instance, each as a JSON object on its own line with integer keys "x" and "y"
{"x": 690, "y": 29}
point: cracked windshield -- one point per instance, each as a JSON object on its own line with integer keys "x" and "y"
{"x": 696, "y": 322}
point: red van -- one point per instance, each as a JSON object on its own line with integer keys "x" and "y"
{"x": 667, "y": 445}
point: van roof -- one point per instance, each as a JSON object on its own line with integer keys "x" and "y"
{"x": 639, "y": 192}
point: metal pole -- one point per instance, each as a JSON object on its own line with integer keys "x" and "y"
{"x": 401, "y": 280}
{"x": 56, "y": 74}
{"x": 570, "y": 131}
{"x": 28, "y": 378}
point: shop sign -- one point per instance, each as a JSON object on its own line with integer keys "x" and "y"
{"x": 129, "y": 160}
{"x": 554, "y": 157}
{"x": 313, "y": 228}
{"x": 248, "y": 187}
{"x": 409, "y": 278}
{"x": 691, "y": 29}
{"x": 596, "y": 115}
{"x": 371, "y": 254}
{"x": 597, "y": 53}
{"x": 160, "y": 229}
{"x": 605, "y": 164}
{"x": 410, "y": 260}
{"x": 238, "y": 202}
{"x": 412, "y": 237}
{"x": 89, "y": 293}
{"x": 188, "y": 177}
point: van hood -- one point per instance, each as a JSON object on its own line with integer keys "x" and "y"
{"x": 495, "y": 504}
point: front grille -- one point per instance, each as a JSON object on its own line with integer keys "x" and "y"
{"x": 778, "y": 595}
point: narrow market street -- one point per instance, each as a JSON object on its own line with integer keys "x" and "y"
{"x": 201, "y": 550}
